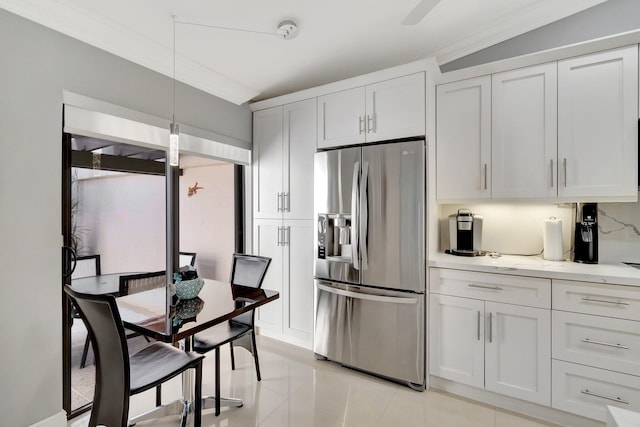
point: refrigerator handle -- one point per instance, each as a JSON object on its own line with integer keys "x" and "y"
{"x": 364, "y": 215}
{"x": 355, "y": 257}
{"x": 368, "y": 297}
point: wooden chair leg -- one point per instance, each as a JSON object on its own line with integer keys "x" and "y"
{"x": 217, "y": 381}
{"x": 85, "y": 352}
{"x": 255, "y": 354}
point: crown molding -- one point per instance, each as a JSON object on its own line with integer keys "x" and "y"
{"x": 62, "y": 17}
{"x": 532, "y": 17}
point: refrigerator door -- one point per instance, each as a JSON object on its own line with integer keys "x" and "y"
{"x": 392, "y": 220}
{"x": 336, "y": 184}
{"x": 377, "y": 331}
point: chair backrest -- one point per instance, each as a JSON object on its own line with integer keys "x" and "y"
{"x": 113, "y": 376}
{"x": 86, "y": 266}
{"x": 249, "y": 270}
{"x": 187, "y": 258}
{"x": 134, "y": 283}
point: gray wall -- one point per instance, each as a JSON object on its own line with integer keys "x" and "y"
{"x": 605, "y": 19}
{"x": 36, "y": 65}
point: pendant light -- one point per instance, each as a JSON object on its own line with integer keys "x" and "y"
{"x": 174, "y": 129}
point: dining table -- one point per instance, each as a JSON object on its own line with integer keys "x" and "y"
{"x": 99, "y": 285}
{"x": 158, "y": 314}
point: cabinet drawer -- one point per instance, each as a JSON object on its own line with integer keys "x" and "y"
{"x": 529, "y": 291}
{"x": 602, "y": 342}
{"x": 587, "y": 391}
{"x": 593, "y": 298}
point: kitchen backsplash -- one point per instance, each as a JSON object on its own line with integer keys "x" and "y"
{"x": 511, "y": 228}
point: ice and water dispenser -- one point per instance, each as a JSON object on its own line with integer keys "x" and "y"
{"x": 334, "y": 236}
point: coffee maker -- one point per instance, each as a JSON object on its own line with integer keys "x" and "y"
{"x": 586, "y": 233}
{"x": 465, "y": 233}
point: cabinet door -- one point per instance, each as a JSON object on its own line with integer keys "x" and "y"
{"x": 267, "y": 163}
{"x": 457, "y": 339}
{"x": 299, "y": 148}
{"x": 463, "y": 129}
{"x": 396, "y": 108}
{"x": 597, "y": 124}
{"x": 524, "y": 132}
{"x": 341, "y": 118}
{"x": 298, "y": 268}
{"x": 518, "y": 352}
{"x": 268, "y": 240}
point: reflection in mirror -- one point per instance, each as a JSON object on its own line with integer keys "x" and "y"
{"x": 207, "y": 214}
{"x": 117, "y": 212}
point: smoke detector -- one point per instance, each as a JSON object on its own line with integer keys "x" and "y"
{"x": 288, "y": 30}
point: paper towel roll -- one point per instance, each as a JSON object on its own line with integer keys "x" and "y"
{"x": 552, "y": 239}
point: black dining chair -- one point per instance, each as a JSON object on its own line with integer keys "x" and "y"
{"x": 187, "y": 259}
{"x": 86, "y": 266}
{"x": 120, "y": 375}
{"x": 246, "y": 270}
{"x": 140, "y": 282}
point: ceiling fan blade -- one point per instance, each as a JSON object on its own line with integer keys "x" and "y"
{"x": 421, "y": 10}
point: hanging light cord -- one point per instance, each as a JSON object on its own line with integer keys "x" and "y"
{"x": 222, "y": 28}
{"x": 174, "y": 70}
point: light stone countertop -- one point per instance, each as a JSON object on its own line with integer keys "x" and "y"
{"x": 536, "y": 266}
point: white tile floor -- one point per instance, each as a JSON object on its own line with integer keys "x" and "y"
{"x": 297, "y": 390}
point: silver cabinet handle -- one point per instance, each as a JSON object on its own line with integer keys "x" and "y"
{"x": 485, "y": 176}
{"x": 286, "y": 202}
{"x": 361, "y": 125}
{"x": 551, "y": 169}
{"x": 279, "y": 202}
{"x": 618, "y": 302}
{"x": 478, "y": 325}
{"x": 371, "y": 123}
{"x": 490, "y": 327}
{"x": 493, "y": 288}
{"x": 564, "y": 167}
{"x": 287, "y": 236}
{"x": 589, "y": 341}
{"x": 601, "y": 396}
{"x": 279, "y": 236}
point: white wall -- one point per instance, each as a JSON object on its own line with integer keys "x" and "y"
{"x": 122, "y": 218}
{"x": 38, "y": 64}
{"x": 207, "y": 219}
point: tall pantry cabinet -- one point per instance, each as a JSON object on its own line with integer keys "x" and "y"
{"x": 284, "y": 143}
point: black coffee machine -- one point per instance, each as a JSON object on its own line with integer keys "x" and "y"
{"x": 586, "y": 233}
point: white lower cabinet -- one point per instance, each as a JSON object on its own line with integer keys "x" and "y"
{"x": 596, "y": 347}
{"x": 503, "y": 348}
{"x": 289, "y": 244}
{"x": 457, "y": 339}
{"x": 518, "y": 352}
{"x": 568, "y": 345}
{"x": 586, "y": 391}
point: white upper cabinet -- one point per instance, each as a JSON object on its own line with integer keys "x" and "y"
{"x": 463, "y": 134}
{"x": 597, "y": 124}
{"x": 566, "y": 130}
{"x": 390, "y": 109}
{"x": 524, "y": 133}
{"x": 267, "y": 162}
{"x": 396, "y": 108}
{"x": 341, "y": 118}
{"x": 298, "y": 149}
{"x": 283, "y": 148}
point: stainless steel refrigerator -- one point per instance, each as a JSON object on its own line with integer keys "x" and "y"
{"x": 370, "y": 259}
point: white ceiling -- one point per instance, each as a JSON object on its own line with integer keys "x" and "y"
{"x": 337, "y": 39}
